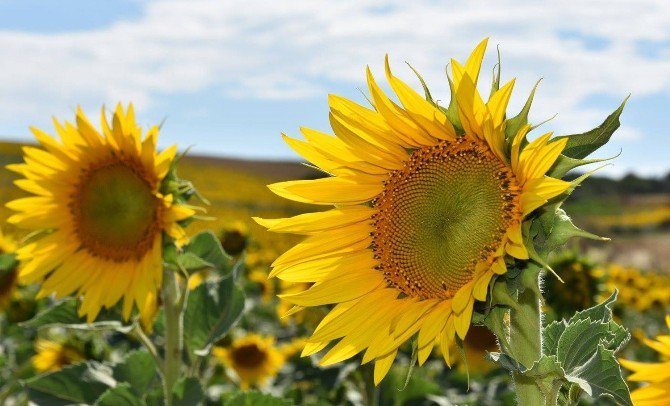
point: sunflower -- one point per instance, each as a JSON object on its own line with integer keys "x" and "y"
{"x": 52, "y": 356}
{"x": 9, "y": 274}
{"x": 254, "y": 359}
{"x": 657, "y": 391}
{"x": 428, "y": 206}
{"x": 579, "y": 288}
{"x": 259, "y": 278}
{"x": 96, "y": 201}
{"x": 235, "y": 238}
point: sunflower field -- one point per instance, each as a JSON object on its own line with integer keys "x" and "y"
{"x": 422, "y": 253}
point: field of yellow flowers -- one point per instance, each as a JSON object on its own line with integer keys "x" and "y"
{"x": 261, "y": 355}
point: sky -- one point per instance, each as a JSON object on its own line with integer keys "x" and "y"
{"x": 229, "y": 76}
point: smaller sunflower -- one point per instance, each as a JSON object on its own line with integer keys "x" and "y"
{"x": 265, "y": 286}
{"x": 480, "y": 342}
{"x": 657, "y": 375}
{"x": 99, "y": 211}
{"x": 52, "y": 356}
{"x": 255, "y": 359}
{"x": 235, "y": 238}
{"x": 579, "y": 288}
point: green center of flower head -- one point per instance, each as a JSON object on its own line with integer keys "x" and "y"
{"x": 440, "y": 215}
{"x": 116, "y": 212}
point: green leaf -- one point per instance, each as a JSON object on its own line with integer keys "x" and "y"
{"x": 203, "y": 252}
{"x": 192, "y": 263}
{"x": 138, "y": 369}
{"x": 601, "y": 375}
{"x": 207, "y": 246}
{"x": 550, "y": 336}
{"x": 188, "y": 392}
{"x": 579, "y": 342}
{"x": 255, "y": 398}
{"x": 580, "y": 146}
{"x": 601, "y": 311}
{"x": 80, "y": 383}
{"x": 64, "y": 314}
{"x": 121, "y": 395}
{"x": 213, "y": 308}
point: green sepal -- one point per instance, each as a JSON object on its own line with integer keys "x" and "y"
{"x": 495, "y": 82}
{"x": 452, "y": 111}
{"x": 580, "y": 146}
{"x": 514, "y": 124}
{"x": 426, "y": 91}
{"x": 565, "y": 164}
{"x": 501, "y": 295}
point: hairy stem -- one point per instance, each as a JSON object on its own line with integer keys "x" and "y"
{"x": 526, "y": 340}
{"x": 174, "y": 328}
{"x": 371, "y": 390}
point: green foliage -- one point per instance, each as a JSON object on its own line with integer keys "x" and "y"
{"x": 254, "y": 398}
{"x": 94, "y": 383}
{"x": 64, "y": 314}
{"x": 138, "y": 368}
{"x": 580, "y": 146}
{"x": 204, "y": 251}
{"x": 80, "y": 383}
{"x": 119, "y": 395}
{"x": 187, "y": 392}
{"x": 212, "y": 309}
{"x": 579, "y": 351}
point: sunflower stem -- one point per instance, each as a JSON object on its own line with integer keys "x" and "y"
{"x": 371, "y": 390}
{"x": 174, "y": 329}
{"x": 526, "y": 339}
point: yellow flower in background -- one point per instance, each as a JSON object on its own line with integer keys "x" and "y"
{"x": 234, "y": 238}
{"x": 255, "y": 359}
{"x": 425, "y": 215}
{"x": 266, "y": 286}
{"x": 8, "y": 277}
{"x": 657, "y": 375}
{"x": 96, "y": 197}
{"x": 51, "y": 356}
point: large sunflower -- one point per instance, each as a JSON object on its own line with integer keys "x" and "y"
{"x": 426, "y": 212}
{"x": 657, "y": 375}
{"x": 96, "y": 199}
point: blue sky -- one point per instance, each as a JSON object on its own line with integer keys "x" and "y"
{"x": 230, "y": 76}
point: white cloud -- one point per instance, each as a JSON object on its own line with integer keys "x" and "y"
{"x": 290, "y": 49}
